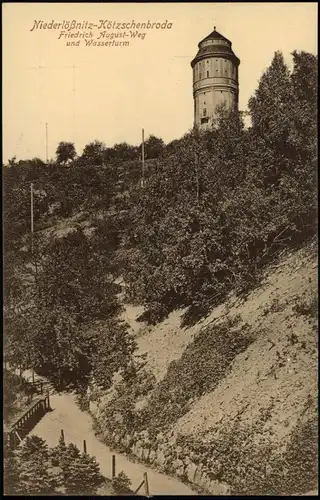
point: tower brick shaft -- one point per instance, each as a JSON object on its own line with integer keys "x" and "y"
{"x": 215, "y": 78}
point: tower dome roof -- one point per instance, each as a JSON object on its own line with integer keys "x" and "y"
{"x": 222, "y": 48}
{"x": 215, "y": 35}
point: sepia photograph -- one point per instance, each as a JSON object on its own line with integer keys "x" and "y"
{"x": 160, "y": 249}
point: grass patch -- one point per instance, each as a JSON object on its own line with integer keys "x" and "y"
{"x": 203, "y": 364}
{"x": 307, "y": 307}
{"x": 233, "y": 456}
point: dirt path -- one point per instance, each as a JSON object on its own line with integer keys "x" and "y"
{"x": 77, "y": 426}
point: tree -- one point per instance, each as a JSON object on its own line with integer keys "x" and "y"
{"x": 34, "y": 477}
{"x": 75, "y": 278}
{"x": 18, "y": 339}
{"x": 33, "y": 446}
{"x": 11, "y": 475}
{"x": 113, "y": 352}
{"x": 17, "y": 177}
{"x": 121, "y": 483}
{"x": 73, "y": 292}
{"x": 284, "y": 132}
{"x": 270, "y": 107}
{"x": 303, "y": 137}
{"x": 153, "y": 147}
{"x": 84, "y": 477}
{"x": 95, "y": 152}
{"x": 58, "y": 452}
{"x": 66, "y": 456}
{"x": 304, "y": 76}
{"x": 80, "y": 472}
{"x": 35, "y": 469}
{"x": 122, "y": 152}
{"x": 172, "y": 146}
{"x": 13, "y": 387}
{"x": 16, "y": 206}
{"x": 65, "y": 152}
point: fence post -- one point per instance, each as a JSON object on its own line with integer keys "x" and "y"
{"x": 11, "y": 440}
{"x": 146, "y": 484}
{"x": 84, "y": 447}
{"x": 113, "y": 466}
{"x": 62, "y": 435}
{"x": 18, "y": 435}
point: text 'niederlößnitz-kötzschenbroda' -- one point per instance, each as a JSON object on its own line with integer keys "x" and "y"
{"x": 101, "y": 24}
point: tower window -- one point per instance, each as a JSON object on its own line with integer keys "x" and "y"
{"x": 204, "y": 120}
{"x": 204, "y": 112}
{"x": 207, "y": 74}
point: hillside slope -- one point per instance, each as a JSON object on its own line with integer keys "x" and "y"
{"x": 234, "y": 404}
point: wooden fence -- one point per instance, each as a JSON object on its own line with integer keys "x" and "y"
{"x": 20, "y": 427}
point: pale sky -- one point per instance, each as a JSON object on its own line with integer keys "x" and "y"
{"x": 120, "y": 90}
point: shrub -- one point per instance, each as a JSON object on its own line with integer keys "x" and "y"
{"x": 84, "y": 476}
{"x": 121, "y": 483}
{"x": 13, "y": 388}
{"x": 203, "y": 364}
{"x": 307, "y": 307}
{"x": 11, "y": 475}
{"x": 301, "y": 458}
{"x": 235, "y": 457}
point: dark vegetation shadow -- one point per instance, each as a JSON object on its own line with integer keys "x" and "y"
{"x": 195, "y": 313}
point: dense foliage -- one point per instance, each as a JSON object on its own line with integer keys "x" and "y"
{"x": 221, "y": 203}
{"x": 70, "y": 330}
{"x": 17, "y": 393}
{"x": 205, "y": 361}
{"x": 216, "y": 206}
{"x": 36, "y": 469}
{"x": 121, "y": 483}
{"x": 260, "y": 469}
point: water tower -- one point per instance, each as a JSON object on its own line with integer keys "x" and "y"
{"x": 215, "y": 78}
